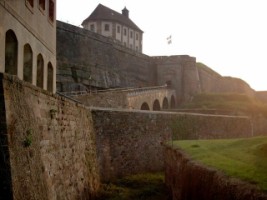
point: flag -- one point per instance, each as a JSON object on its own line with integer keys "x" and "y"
{"x": 169, "y": 39}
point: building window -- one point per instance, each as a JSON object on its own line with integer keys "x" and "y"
{"x": 136, "y": 48}
{"x": 42, "y": 4}
{"x": 50, "y": 79}
{"x": 106, "y": 27}
{"x": 92, "y": 27}
{"x": 11, "y": 53}
{"x": 131, "y": 46}
{"x": 125, "y": 31}
{"x": 118, "y": 29}
{"x": 27, "y": 63}
{"x": 40, "y": 71}
{"x": 136, "y": 36}
{"x": 131, "y": 34}
{"x": 30, "y": 3}
{"x": 51, "y": 10}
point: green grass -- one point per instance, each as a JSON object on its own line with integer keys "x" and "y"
{"x": 245, "y": 159}
{"x": 239, "y": 103}
{"x": 141, "y": 186}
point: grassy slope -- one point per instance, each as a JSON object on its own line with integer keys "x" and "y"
{"x": 232, "y": 102}
{"x": 242, "y": 158}
{"x": 141, "y": 186}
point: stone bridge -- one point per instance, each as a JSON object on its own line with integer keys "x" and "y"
{"x": 151, "y": 98}
{"x": 145, "y": 98}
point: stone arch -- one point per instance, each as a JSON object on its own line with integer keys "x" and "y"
{"x": 40, "y": 71}
{"x": 156, "y": 105}
{"x": 173, "y": 105}
{"x": 11, "y": 53}
{"x": 27, "y": 63}
{"x": 165, "y": 103}
{"x": 50, "y": 75}
{"x": 145, "y": 106}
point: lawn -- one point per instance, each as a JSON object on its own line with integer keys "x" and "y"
{"x": 241, "y": 158}
{"x": 149, "y": 186}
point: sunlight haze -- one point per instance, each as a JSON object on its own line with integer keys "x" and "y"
{"x": 229, "y": 36}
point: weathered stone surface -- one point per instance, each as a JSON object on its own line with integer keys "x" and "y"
{"x": 130, "y": 142}
{"x": 51, "y": 144}
{"x": 188, "y": 179}
{"x": 90, "y": 58}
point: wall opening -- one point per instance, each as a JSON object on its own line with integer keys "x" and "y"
{"x": 145, "y": 106}
{"x": 42, "y": 4}
{"x": 51, "y": 10}
{"x": 50, "y": 72}
{"x": 40, "y": 71}
{"x": 156, "y": 105}
{"x": 165, "y": 104}
{"x": 27, "y": 63}
{"x": 173, "y": 105}
{"x": 11, "y": 53}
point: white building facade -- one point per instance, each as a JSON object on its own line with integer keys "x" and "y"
{"x": 28, "y": 41}
{"x": 118, "y": 26}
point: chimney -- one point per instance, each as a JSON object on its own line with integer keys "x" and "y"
{"x": 125, "y": 12}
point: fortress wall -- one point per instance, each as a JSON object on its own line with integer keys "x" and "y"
{"x": 130, "y": 142}
{"x": 88, "y": 58}
{"x": 182, "y": 72}
{"x": 51, "y": 144}
{"x": 214, "y": 83}
{"x": 188, "y": 179}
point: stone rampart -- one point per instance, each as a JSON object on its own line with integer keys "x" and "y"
{"x": 188, "y": 179}
{"x": 85, "y": 58}
{"x": 130, "y": 142}
{"x": 50, "y": 142}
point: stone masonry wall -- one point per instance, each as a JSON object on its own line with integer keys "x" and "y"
{"x": 51, "y": 144}
{"x": 84, "y": 57}
{"x": 187, "y": 179}
{"x": 129, "y": 142}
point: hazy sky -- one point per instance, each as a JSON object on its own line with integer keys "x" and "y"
{"x": 230, "y": 36}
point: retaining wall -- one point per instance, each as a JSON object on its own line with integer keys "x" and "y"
{"x": 50, "y": 142}
{"x": 130, "y": 142}
{"x": 187, "y": 179}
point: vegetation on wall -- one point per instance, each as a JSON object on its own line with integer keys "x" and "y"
{"x": 141, "y": 186}
{"x": 239, "y": 104}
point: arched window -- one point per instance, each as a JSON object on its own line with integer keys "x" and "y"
{"x": 11, "y": 53}
{"x": 165, "y": 104}
{"x": 40, "y": 71}
{"x": 27, "y": 63}
{"x": 173, "y": 102}
{"x": 156, "y": 105}
{"x": 50, "y": 72}
{"x": 144, "y": 106}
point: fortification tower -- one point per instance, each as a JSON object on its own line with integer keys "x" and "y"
{"x": 28, "y": 41}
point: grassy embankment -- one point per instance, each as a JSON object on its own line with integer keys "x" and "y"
{"x": 141, "y": 186}
{"x": 245, "y": 159}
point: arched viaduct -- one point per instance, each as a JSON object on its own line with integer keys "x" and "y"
{"x": 152, "y": 98}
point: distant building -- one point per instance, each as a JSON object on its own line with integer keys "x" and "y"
{"x": 28, "y": 41}
{"x": 118, "y": 26}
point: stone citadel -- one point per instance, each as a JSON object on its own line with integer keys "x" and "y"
{"x": 54, "y": 147}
